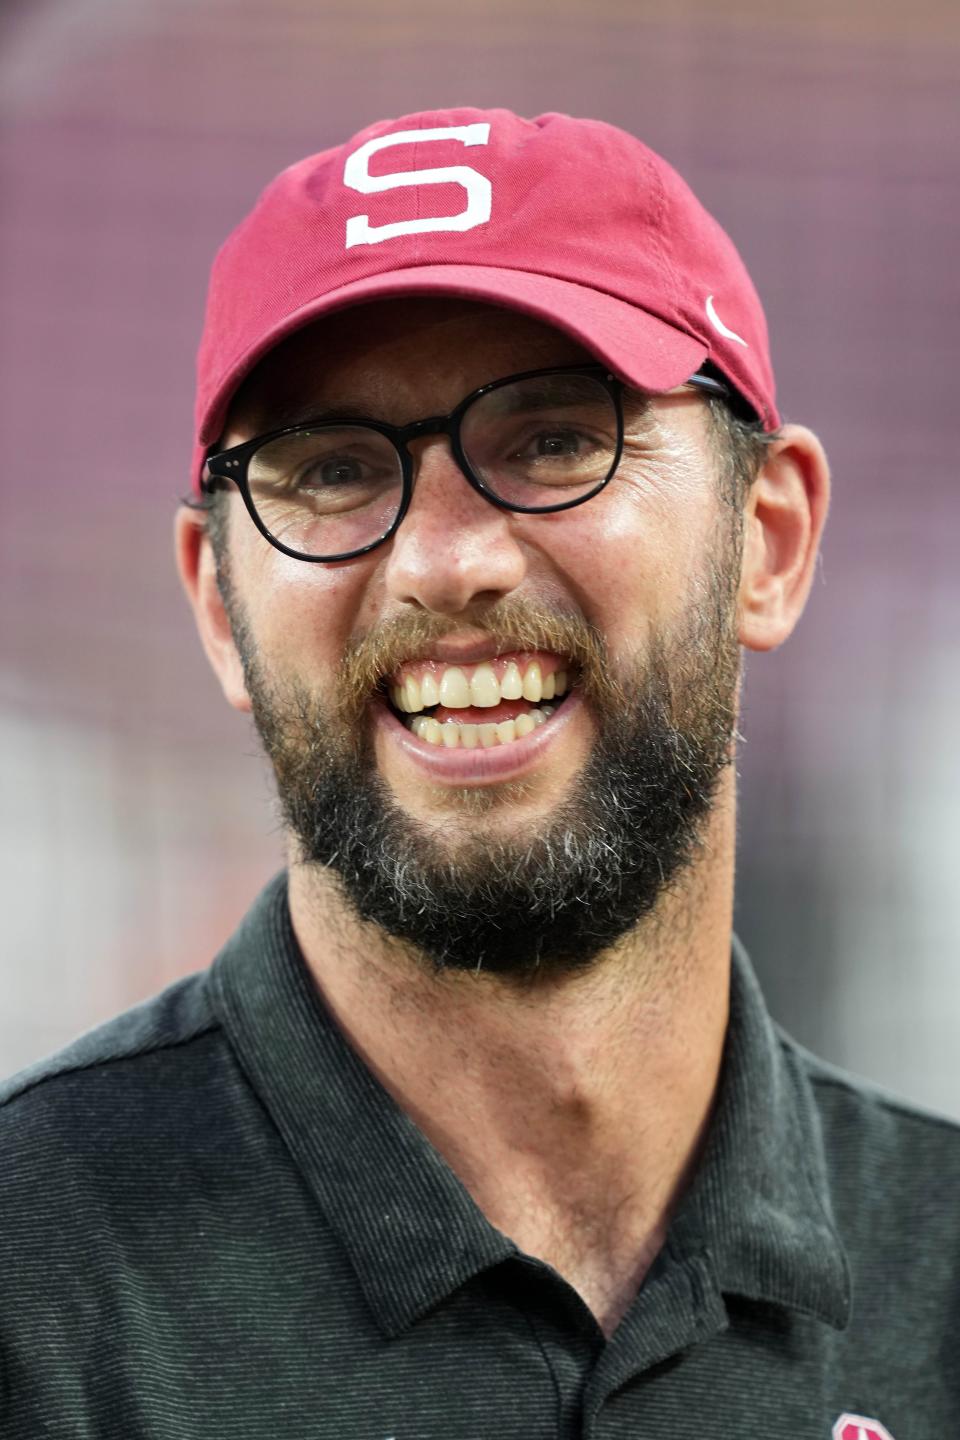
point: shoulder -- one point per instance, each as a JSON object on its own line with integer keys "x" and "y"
{"x": 170, "y": 1020}
{"x": 893, "y": 1168}
{"x": 123, "y": 1135}
{"x": 86, "y": 1109}
{"x": 861, "y": 1110}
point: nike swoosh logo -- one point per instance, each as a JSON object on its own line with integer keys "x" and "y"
{"x": 719, "y": 326}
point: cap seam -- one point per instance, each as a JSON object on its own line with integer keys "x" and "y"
{"x": 666, "y": 266}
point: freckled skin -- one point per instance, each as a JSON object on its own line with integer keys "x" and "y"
{"x": 623, "y": 560}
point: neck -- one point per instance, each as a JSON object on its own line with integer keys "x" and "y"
{"x": 573, "y": 1109}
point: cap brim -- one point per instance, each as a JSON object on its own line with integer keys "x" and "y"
{"x": 642, "y": 349}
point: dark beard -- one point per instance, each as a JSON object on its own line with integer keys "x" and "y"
{"x": 551, "y": 902}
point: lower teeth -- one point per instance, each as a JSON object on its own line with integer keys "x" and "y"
{"x": 452, "y": 734}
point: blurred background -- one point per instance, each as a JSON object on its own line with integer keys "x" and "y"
{"x": 136, "y": 821}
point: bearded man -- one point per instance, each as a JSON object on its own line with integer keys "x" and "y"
{"x": 478, "y": 1125}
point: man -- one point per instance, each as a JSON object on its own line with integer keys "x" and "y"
{"x": 478, "y": 1126}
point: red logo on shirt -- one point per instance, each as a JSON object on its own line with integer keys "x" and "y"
{"x": 858, "y": 1427}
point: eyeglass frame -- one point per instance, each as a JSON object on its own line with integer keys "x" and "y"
{"x": 232, "y": 464}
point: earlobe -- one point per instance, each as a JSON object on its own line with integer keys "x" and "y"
{"x": 784, "y": 516}
{"x": 198, "y": 574}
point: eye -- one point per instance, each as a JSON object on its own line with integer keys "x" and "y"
{"x": 333, "y": 471}
{"x": 559, "y": 442}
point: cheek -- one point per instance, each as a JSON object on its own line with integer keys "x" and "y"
{"x": 628, "y": 556}
{"x": 302, "y": 615}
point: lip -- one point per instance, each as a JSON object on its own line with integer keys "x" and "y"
{"x": 479, "y": 766}
{"x": 469, "y": 650}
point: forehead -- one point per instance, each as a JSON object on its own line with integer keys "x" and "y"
{"x": 398, "y": 359}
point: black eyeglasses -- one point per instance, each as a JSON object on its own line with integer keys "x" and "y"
{"x": 332, "y": 489}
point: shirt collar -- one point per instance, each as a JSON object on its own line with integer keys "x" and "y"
{"x": 758, "y": 1210}
{"x": 412, "y": 1232}
{"x": 760, "y": 1204}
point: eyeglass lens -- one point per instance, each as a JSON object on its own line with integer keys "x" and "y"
{"x": 537, "y": 443}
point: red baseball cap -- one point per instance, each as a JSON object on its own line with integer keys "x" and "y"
{"x": 571, "y": 221}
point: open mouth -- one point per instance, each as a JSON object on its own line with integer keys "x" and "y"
{"x": 495, "y": 702}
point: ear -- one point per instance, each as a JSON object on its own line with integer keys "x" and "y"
{"x": 198, "y": 574}
{"x": 783, "y": 520}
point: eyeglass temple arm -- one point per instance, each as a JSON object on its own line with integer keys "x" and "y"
{"x": 712, "y": 386}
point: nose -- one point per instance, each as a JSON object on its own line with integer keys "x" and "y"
{"x": 454, "y": 548}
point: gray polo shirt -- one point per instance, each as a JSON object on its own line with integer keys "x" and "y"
{"x": 215, "y": 1224}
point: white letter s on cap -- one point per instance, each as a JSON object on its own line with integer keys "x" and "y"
{"x": 477, "y": 186}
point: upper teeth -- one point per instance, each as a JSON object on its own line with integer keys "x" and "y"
{"x": 456, "y": 689}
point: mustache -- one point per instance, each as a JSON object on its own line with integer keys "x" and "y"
{"x": 510, "y": 625}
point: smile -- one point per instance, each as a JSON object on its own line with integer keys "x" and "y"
{"x": 495, "y": 702}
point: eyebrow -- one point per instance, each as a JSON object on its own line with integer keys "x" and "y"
{"x": 637, "y": 405}
{"x": 282, "y": 416}
{"x": 544, "y": 397}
